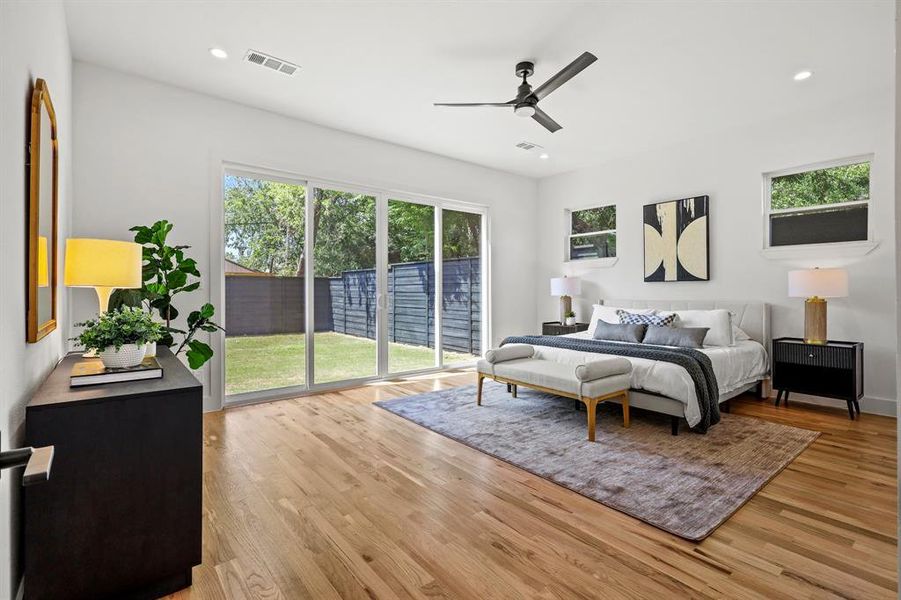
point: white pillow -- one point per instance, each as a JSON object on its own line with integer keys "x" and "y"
{"x": 608, "y": 314}
{"x": 719, "y": 321}
{"x": 738, "y": 334}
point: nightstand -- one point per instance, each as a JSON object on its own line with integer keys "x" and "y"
{"x": 833, "y": 370}
{"x": 555, "y": 328}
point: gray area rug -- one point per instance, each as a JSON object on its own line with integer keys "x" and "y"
{"x": 687, "y": 485}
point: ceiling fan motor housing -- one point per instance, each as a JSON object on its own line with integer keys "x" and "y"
{"x": 525, "y": 69}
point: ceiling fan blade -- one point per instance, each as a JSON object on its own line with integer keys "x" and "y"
{"x": 473, "y": 104}
{"x": 548, "y": 123}
{"x": 567, "y": 73}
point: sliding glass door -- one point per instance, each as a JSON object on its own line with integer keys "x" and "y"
{"x": 327, "y": 284}
{"x": 344, "y": 285}
{"x": 461, "y": 276}
{"x": 411, "y": 286}
{"x": 264, "y": 284}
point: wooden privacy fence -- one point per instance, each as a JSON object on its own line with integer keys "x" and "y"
{"x": 262, "y": 305}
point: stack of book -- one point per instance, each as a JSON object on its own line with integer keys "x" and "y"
{"x": 90, "y": 371}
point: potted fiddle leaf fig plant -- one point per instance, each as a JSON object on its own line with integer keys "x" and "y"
{"x": 168, "y": 272}
{"x": 120, "y": 336}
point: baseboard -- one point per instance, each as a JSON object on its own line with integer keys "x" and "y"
{"x": 210, "y": 404}
{"x": 868, "y": 404}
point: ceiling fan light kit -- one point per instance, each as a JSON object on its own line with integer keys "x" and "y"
{"x": 526, "y": 102}
{"x": 524, "y": 110}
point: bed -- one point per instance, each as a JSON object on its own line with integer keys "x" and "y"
{"x": 666, "y": 388}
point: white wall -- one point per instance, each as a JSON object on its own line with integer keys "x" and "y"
{"x": 34, "y": 44}
{"x": 729, "y": 168}
{"x": 147, "y": 151}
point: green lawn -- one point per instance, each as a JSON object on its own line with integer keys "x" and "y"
{"x": 273, "y": 361}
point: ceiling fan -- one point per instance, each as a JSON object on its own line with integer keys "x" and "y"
{"x": 526, "y": 102}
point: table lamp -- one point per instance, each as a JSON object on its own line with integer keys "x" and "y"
{"x": 816, "y": 285}
{"x": 566, "y": 288}
{"x": 104, "y": 265}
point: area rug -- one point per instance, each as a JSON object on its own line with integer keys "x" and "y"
{"x": 687, "y": 485}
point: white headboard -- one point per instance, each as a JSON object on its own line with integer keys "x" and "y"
{"x": 752, "y": 317}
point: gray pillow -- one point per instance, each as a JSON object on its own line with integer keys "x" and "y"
{"x": 619, "y": 333}
{"x": 685, "y": 337}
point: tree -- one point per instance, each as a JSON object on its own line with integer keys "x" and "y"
{"x": 264, "y": 229}
{"x": 823, "y": 186}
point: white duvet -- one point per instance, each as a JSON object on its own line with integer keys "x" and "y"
{"x": 735, "y": 367}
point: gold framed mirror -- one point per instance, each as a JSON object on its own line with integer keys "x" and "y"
{"x": 43, "y": 159}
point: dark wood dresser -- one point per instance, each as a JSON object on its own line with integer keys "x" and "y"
{"x": 833, "y": 370}
{"x": 120, "y": 516}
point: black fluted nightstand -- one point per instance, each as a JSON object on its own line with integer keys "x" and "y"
{"x": 555, "y": 328}
{"x": 833, "y": 370}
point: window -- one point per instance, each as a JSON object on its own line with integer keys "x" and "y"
{"x": 823, "y": 205}
{"x": 591, "y": 233}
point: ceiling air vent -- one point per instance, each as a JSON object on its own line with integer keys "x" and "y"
{"x": 270, "y": 62}
{"x": 528, "y": 146}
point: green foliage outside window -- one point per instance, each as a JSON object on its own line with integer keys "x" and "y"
{"x": 265, "y": 224}
{"x": 846, "y": 183}
{"x": 589, "y": 220}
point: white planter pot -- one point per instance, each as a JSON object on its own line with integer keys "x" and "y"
{"x": 129, "y": 355}
{"x": 151, "y": 349}
{"x": 570, "y": 320}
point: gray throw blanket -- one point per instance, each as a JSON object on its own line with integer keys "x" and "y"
{"x": 698, "y": 365}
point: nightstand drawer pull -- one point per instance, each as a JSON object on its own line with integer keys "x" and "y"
{"x": 832, "y": 357}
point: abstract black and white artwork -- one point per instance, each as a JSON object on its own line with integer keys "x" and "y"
{"x": 676, "y": 240}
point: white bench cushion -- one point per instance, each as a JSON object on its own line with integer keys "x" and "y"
{"x": 509, "y": 352}
{"x": 612, "y": 374}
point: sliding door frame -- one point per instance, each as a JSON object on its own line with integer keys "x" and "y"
{"x": 221, "y": 168}
{"x": 381, "y": 247}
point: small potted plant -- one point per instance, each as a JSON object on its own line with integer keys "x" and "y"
{"x": 120, "y": 336}
{"x": 570, "y": 318}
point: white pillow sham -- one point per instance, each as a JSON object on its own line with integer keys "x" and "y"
{"x": 739, "y": 334}
{"x": 719, "y": 321}
{"x": 608, "y": 314}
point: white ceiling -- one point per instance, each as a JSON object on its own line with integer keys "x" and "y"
{"x": 666, "y": 72}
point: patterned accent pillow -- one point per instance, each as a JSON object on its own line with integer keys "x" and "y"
{"x": 665, "y": 320}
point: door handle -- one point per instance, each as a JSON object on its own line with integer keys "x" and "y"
{"x": 37, "y": 463}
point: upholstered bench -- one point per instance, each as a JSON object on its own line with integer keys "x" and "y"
{"x": 591, "y": 383}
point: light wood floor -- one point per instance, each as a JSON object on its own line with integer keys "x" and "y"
{"x": 330, "y": 497}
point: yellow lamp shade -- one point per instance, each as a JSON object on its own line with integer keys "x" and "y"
{"x": 102, "y": 263}
{"x": 43, "y": 266}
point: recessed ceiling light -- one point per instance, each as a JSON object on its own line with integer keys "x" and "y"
{"x": 802, "y": 75}
{"x": 219, "y": 53}
{"x": 544, "y": 156}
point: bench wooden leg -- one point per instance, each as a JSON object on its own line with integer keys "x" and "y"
{"x": 625, "y": 409}
{"x": 591, "y": 406}
{"x": 479, "y": 389}
{"x": 514, "y": 390}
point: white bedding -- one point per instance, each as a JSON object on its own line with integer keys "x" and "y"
{"x": 735, "y": 367}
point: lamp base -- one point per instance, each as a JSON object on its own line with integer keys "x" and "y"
{"x": 566, "y": 305}
{"x": 815, "y": 321}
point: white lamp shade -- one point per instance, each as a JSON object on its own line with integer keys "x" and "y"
{"x": 566, "y": 286}
{"x": 825, "y": 283}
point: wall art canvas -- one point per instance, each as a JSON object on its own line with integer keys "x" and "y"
{"x": 676, "y": 240}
